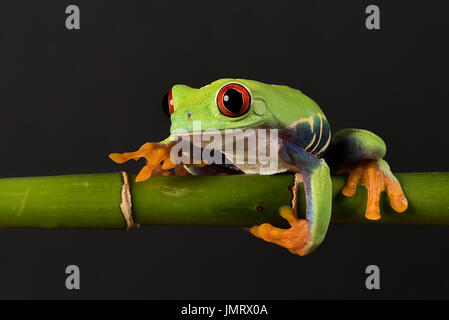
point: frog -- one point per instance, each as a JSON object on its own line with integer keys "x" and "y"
{"x": 304, "y": 146}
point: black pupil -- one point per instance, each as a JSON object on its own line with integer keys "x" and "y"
{"x": 233, "y": 100}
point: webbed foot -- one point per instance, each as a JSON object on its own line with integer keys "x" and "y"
{"x": 376, "y": 176}
{"x": 154, "y": 153}
{"x": 295, "y": 239}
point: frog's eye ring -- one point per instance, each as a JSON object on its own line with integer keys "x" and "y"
{"x": 233, "y": 100}
{"x": 167, "y": 104}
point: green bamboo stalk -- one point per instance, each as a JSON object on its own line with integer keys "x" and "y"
{"x": 88, "y": 200}
{"x": 93, "y": 201}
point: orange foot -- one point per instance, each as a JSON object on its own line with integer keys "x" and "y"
{"x": 376, "y": 179}
{"x": 154, "y": 153}
{"x": 294, "y": 239}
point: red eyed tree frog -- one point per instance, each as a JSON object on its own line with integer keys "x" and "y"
{"x": 304, "y": 147}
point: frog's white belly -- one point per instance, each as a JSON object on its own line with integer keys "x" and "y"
{"x": 242, "y": 150}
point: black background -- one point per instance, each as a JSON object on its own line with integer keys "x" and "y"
{"x": 70, "y": 97}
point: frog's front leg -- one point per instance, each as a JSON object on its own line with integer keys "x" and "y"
{"x": 305, "y": 234}
{"x": 154, "y": 153}
{"x": 359, "y": 153}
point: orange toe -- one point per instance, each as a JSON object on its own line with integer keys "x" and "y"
{"x": 397, "y": 198}
{"x": 372, "y": 213}
{"x": 144, "y": 174}
{"x": 351, "y": 184}
{"x": 118, "y": 158}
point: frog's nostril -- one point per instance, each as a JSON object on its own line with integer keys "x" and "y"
{"x": 171, "y": 105}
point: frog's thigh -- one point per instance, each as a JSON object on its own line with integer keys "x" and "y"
{"x": 350, "y": 147}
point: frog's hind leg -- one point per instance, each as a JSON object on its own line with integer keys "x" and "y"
{"x": 304, "y": 235}
{"x": 359, "y": 153}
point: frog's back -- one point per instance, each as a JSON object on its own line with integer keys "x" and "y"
{"x": 299, "y": 113}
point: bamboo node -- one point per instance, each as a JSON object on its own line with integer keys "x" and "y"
{"x": 126, "y": 203}
{"x": 294, "y": 190}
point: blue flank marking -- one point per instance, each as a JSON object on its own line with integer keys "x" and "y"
{"x": 304, "y": 135}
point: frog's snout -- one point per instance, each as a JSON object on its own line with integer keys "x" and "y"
{"x": 182, "y": 97}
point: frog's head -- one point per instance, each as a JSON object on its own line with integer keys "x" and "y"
{"x": 236, "y": 103}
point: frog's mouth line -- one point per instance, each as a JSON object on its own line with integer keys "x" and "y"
{"x": 192, "y": 134}
{"x": 186, "y": 133}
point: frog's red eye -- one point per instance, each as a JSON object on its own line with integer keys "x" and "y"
{"x": 167, "y": 103}
{"x": 233, "y": 100}
{"x": 171, "y": 105}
